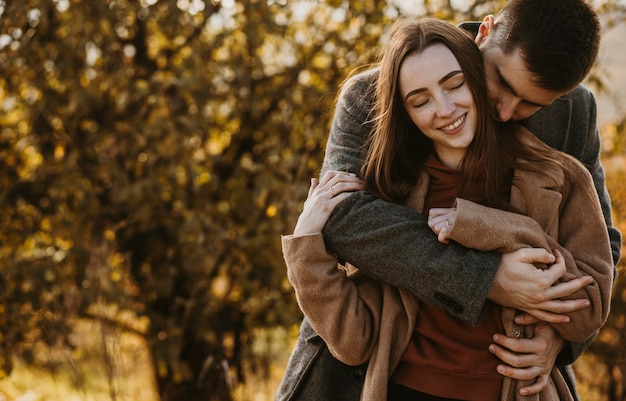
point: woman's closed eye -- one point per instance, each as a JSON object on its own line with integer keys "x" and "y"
{"x": 420, "y": 102}
{"x": 456, "y": 85}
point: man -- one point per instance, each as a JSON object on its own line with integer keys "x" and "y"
{"x": 536, "y": 54}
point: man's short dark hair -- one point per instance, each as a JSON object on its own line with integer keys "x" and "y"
{"x": 558, "y": 39}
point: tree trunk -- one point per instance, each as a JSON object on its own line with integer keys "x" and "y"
{"x": 205, "y": 376}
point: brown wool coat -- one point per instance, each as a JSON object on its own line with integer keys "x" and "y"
{"x": 362, "y": 320}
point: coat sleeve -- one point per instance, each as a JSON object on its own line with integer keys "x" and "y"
{"x": 583, "y": 237}
{"x": 586, "y": 251}
{"x": 576, "y": 114}
{"x": 390, "y": 242}
{"x": 345, "y": 312}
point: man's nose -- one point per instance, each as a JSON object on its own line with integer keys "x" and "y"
{"x": 506, "y": 107}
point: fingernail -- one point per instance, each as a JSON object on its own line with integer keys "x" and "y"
{"x": 492, "y": 349}
{"x": 500, "y": 369}
{"x": 352, "y": 174}
{"x": 523, "y": 391}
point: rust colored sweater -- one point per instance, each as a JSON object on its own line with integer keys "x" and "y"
{"x": 447, "y": 357}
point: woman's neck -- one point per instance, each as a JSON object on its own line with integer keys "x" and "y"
{"x": 450, "y": 158}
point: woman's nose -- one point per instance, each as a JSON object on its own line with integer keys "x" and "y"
{"x": 445, "y": 107}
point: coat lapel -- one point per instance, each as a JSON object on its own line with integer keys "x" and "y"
{"x": 536, "y": 196}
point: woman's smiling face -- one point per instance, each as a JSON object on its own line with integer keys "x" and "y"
{"x": 439, "y": 101}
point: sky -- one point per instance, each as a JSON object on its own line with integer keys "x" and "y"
{"x": 612, "y": 63}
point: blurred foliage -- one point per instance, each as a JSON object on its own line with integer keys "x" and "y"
{"x": 152, "y": 152}
{"x": 602, "y": 369}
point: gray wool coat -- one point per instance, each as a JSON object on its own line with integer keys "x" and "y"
{"x": 394, "y": 244}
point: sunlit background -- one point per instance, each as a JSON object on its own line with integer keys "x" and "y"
{"x": 152, "y": 152}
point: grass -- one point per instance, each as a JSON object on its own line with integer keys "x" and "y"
{"x": 85, "y": 374}
{"x": 108, "y": 365}
{"x": 126, "y": 376}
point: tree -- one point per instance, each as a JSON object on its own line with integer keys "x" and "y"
{"x": 152, "y": 152}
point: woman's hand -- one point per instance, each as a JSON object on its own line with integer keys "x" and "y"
{"x": 322, "y": 199}
{"x": 441, "y": 220}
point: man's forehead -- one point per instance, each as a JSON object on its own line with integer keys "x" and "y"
{"x": 512, "y": 72}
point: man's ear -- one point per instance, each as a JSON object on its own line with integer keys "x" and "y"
{"x": 484, "y": 29}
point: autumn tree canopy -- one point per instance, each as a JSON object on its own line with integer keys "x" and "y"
{"x": 152, "y": 152}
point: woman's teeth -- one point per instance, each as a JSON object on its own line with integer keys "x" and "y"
{"x": 455, "y": 124}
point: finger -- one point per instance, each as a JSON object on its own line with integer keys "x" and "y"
{"x": 344, "y": 186}
{"x": 555, "y": 271}
{"x": 539, "y": 255}
{"x": 443, "y": 236}
{"x": 336, "y": 182}
{"x": 519, "y": 373}
{"x": 504, "y": 354}
{"x": 438, "y": 222}
{"x": 516, "y": 345}
{"x": 438, "y": 211}
{"x": 340, "y": 176}
{"x": 440, "y": 214}
{"x": 314, "y": 184}
{"x": 329, "y": 175}
{"x": 537, "y": 387}
{"x": 549, "y": 317}
{"x": 562, "y": 290}
{"x": 433, "y": 222}
{"x": 525, "y": 319}
{"x": 519, "y": 361}
{"x": 335, "y": 176}
{"x": 554, "y": 311}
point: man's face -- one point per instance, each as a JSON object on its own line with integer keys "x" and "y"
{"x": 512, "y": 92}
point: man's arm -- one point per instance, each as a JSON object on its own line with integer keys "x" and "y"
{"x": 391, "y": 242}
{"x": 394, "y": 244}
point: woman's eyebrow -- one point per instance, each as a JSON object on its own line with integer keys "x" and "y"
{"x": 442, "y": 80}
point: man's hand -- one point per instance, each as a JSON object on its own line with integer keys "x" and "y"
{"x": 528, "y": 358}
{"x": 519, "y": 284}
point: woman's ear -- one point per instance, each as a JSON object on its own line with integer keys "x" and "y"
{"x": 485, "y": 29}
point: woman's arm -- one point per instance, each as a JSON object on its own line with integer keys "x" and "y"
{"x": 344, "y": 312}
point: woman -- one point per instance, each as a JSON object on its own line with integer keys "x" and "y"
{"x": 491, "y": 186}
